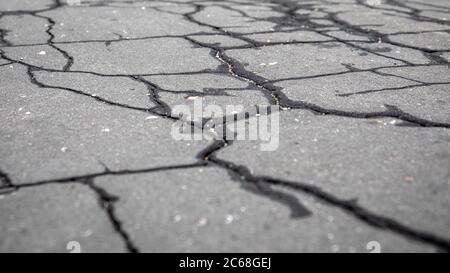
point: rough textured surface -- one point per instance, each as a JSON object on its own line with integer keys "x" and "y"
{"x": 87, "y": 153}
{"x": 44, "y": 219}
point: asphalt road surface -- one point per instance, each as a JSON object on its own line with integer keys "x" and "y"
{"x": 88, "y": 157}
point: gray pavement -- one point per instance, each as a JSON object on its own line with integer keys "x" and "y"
{"x": 87, "y": 151}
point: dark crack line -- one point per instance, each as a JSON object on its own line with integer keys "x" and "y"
{"x": 5, "y": 64}
{"x": 413, "y": 14}
{"x": 411, "y": 86}
{"x": 353, "y": 70}
{"x": 39, "y": 84}
{"x": 50, "y": 25}
{"x": 257, "y": 184}
{"x": 105, "y": 199}
{"x": 6, "y": 185}
{"x": 153, "y": 95}
{"x": 107, "y": 202}
{"x": 276, "y": 96}
{"x": 244, "y": 175}
{"x": 283, "y": 101}
{"x": 107, "y": 172}
{"x": 109, "y": 41}
{"x": 55, "y": 5}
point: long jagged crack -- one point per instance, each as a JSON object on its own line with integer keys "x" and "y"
{"x": 351, "y": 207}
{"x": 288, "y": 20}
{"x": 107, "y": 201}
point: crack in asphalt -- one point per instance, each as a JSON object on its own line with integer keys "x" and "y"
{"x": 107, "y": 201}
{"x": 231, "y": 67}
{"x": 50, "y": 25}
{"x": 242, "y": 174}
{"x": 6, "y": 185}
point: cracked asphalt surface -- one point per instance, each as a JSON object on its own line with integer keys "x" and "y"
{"x": 87, "y": 154}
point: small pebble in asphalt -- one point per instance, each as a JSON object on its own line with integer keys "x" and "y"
{"x": 228, "y": 219}
{"x": 202, "y": 222}
{"x": 335, "y": 248}
{"x": 192, "y": 97}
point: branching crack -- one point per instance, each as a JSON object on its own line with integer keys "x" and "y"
{"x": 287, "y": 17}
